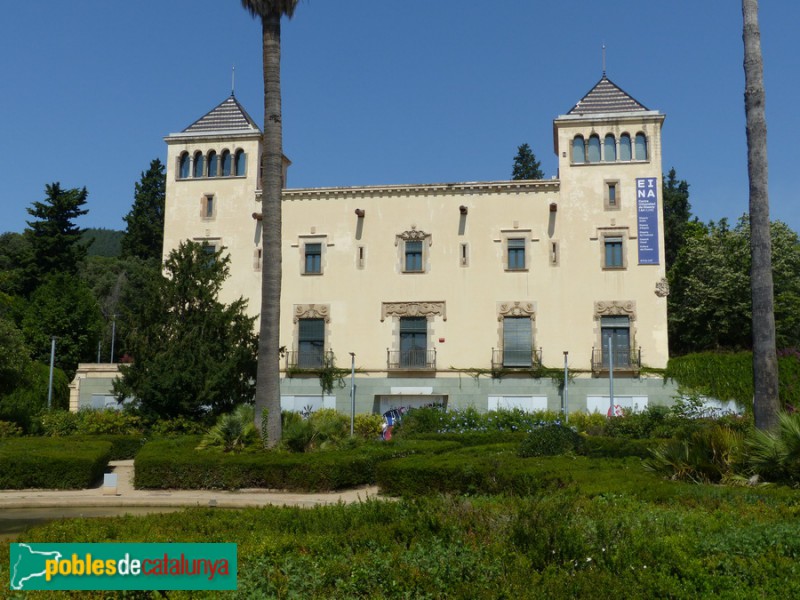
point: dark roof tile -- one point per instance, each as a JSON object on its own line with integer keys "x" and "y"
{"x": 228, "y": 116}
{"x": 606, "y": 97}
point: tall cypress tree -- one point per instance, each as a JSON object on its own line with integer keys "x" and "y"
{"x": 525, "y": 164}
{"x": 144, "y": 236}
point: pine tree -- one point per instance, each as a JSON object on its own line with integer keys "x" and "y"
{"x": 525, "y": 164}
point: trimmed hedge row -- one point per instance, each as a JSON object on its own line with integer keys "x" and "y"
{"x": 123, "y": 447}
{"x": 175, "y": 464}
{"x": 51, "y": 463}
{"x": 470, "y": 438}
{"x": 612, "y": 447}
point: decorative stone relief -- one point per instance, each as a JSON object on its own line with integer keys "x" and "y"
{"x": 413, "y": 309}
{"x": 515, "y": 309}
{"x": 614, "y": 308}
{"x": 412, "y": 235}
{"x": 662, "y": 288}
{"x": 312, "y": 311}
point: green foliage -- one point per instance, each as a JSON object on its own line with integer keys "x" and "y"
{"x": 709, "y": 305}
{"x": 51, "y": 463}
{"x": 550, "y": 440}
{"x": 469, "y": 420}
{"x": 123, "y": 446}
{"x": 677, "y": 212}
{"x": 525, "y": 164}
{"x": 14, "y": 356}
{"x": 144, "y": 236}
{"x": 729, "y": 375}
{"x": 775, "y": 455}
{"x": 708, "y": 455}
{"x": 9, "y": 429}
{"x": 596, "y": 446}
{"x": 233, "y": 432}
{"x": 471, "y": 438}
{"x": 191, "y": 353}
{"x": 16, "y": 260}
{"x": 23, "y": 405}
{"x": 175, "y": 427}
{"x": 323, "y": 429}
{"x": 367, "y": 426}
{"x": 88, "y": 421}
{"x": 65, "y": 308}
{"x": 102, "y": 242}
{"x": 53, "y": 235}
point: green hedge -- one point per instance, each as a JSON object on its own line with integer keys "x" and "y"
{"x": 123, "y": 447}
{"x": 614, "y": 447}
{"x": 470, "y": 472}
{"x": 471, "y": 439}
{"x": 176, "y": 464}
{"x": 51, "y": 463}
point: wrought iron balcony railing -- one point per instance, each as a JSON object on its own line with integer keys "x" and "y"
{"x": 624, "y": 359}
{"x": 516, "y": 359}
{"x": 415, "y": 358}
{"x": 309, "y": 359}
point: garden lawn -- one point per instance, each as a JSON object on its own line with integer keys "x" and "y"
{"x": 602, "y": 528}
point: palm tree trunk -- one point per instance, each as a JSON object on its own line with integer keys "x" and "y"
{"x": 765, "y": 360}
{"x": 268, "y": 376}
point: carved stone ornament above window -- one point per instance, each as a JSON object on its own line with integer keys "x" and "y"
{"x": 515, "y": 309}
{"x": 662, "y": 288}
{"x": 614, "y": 308}
{"x": 312, "y": 311}
{"x": 413, "y": 235}
{"x": 413, "y": 309}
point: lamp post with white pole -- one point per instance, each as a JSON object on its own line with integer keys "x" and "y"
{"x": 352, "y": 392}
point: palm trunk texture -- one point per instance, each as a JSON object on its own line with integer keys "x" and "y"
{"x": 765, "y": 360}
{"x": 268, "y": 374}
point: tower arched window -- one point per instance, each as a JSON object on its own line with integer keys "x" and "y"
{"x": 199, "y": 165}
{"x": 213, "y": 163}
{"x": 624, "y": 147}
{"x": 578, "y": 149}
{"x": 593, "y": 153}
{"x": 641, "y": 146}
{"x": 226, "y": 163}
{"x": 184, "y": 166}
{"x": 610, "y": 148}
{"x": 241, "y": 163}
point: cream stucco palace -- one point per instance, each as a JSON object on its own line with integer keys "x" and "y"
{"x": 456, "y": 292}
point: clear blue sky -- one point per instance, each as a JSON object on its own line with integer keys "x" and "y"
{"x": 384, "y": 91}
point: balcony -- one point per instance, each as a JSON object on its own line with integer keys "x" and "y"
{"x": 628, "y": 360}
{"x": 516, "y": 359}
{"x": 415, "y": 359}
{"x": 309, "y": 359}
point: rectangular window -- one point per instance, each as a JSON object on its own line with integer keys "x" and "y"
{"x": 413, "y": 342}
{"x": 517, "y": 342}
{"x": 516, "y": 254}
{"x": 360, "y": 257}
{"x": 612, "y": 194}
{"x": 413, "y": 255}
{"x": 311, "y": 343}
{"x": 613, "y": 253}
{"x": 615, "y": 335}
{"x": 313, "y": 253}
{"x": 208, "y": 207}
{"x": 464, "y": 255}
{"x": 210, "y": 251}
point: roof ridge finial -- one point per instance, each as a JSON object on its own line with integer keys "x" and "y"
{"x": 233, "y": 80}
{"x": 604, "y": 59}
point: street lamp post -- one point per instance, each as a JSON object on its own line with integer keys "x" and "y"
{"x": 52, "y": 364}
{"x": 566, "y": 391}
{"x": 352, "y": 392}
{"x": 113, "y": 335}
{"x": 610, "y": 378}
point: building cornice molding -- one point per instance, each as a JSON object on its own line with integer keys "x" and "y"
{"x": 426, "y": 189}
{"x": 615, "y": 308}
{"x": 216, "y": 136}
{"x": 515, "y": 309}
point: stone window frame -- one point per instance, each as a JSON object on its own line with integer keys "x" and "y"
{"x": 608, "y": 232}
{"x": 204, "y": 202}
{"x": 516, "y": 233}
{"x": 514, "y": 309}
{"x": 607, "y": 184}
{"x": 614, "y": 308}
{"x": 429, "y": 310}
{"x": 310, "y": 311}
{"x": 414, "y": 235}
{"x": 312, "y": 238}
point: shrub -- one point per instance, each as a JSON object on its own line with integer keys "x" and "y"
{"x": 470, "y": 438}
{"x": 550, "y": 440}
{"x": 709, "y": 455}
{"x": 775, "y": 455}
{"x": 323, "y": 429}
{"x": 88, "y": 421}
{"x": 123, "y": 447}
{"x": 176, "y": 426}
{"x": 233, "y": 432}
{"x": 57, "y": 423}
{"x": 609, "y": 447}
{"x": 9, "y": 429}
{"x": 591, "y": 423}
{"x": 51, "y": 463}
{"x": 368, "y": 426}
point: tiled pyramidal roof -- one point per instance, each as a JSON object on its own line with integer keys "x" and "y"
{"x": 606, "y": 97}
{"x": 228, "y": 116}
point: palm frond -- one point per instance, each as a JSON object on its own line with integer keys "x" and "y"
{"x": 264, "y": 8}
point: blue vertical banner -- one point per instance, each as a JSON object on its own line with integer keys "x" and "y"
{"x": 647, "y": 217}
